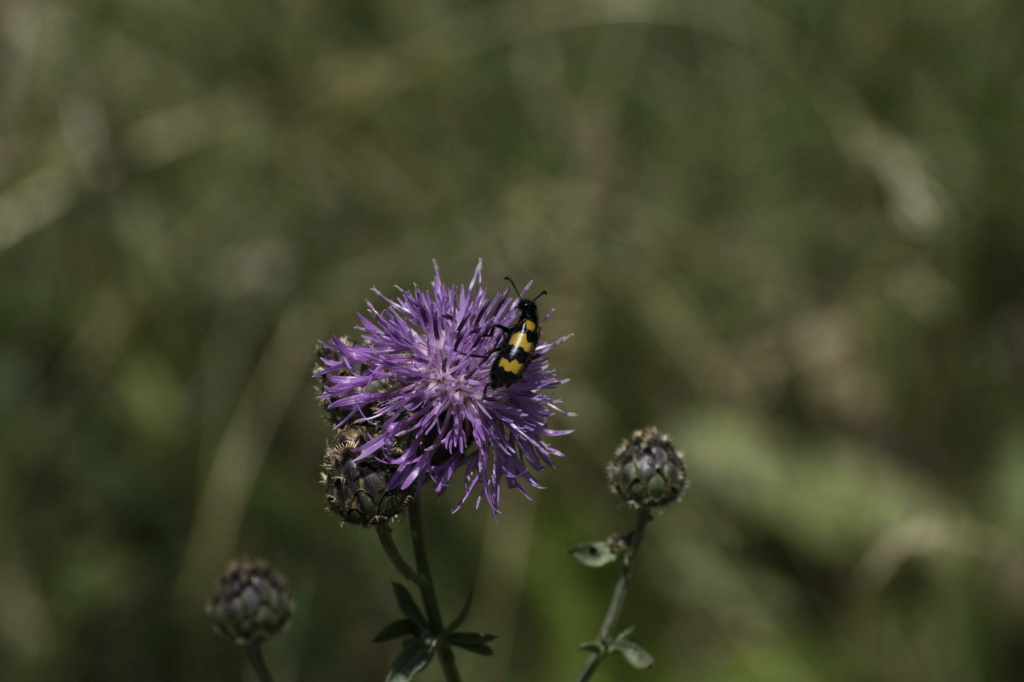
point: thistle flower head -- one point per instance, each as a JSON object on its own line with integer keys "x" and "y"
{"x": 420, "y": 379}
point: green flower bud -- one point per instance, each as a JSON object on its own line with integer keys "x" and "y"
{"x": 251, "y": 602}
{"x": 647, "y": 471}
{"x": 358, "y": 491}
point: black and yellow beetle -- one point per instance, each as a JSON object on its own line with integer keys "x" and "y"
{"x": 520, "y": 342}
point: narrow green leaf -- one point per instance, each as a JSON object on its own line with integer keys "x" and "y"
{"x": 481, "y": 649}
{"x": 408, "y": 606}
{"x": 594, "y": 554}
{"x": 462, "y": 614}
{"x": 634, "y": 654}
{"x": 472, "y": 641}
{"x": 412, "y": 659}
{"x": 483, "y": 637}
{"x": 400, "y": 628}
{"x": 625, "y": 633}
{"x": 594, "y": 647}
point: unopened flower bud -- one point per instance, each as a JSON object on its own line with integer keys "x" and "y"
{"x": 647, "y": 470}
{"x": 251, "y": 602}
{"x": 358, "y": 491}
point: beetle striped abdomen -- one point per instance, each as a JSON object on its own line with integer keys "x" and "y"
{"x": 515, "y": 356}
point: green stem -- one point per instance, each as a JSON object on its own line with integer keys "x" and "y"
{"x": 388, "y": 543}
{"x": 611, "y": 616}
{"x": 444, "y": 651}
{"x": 255, "y": 654}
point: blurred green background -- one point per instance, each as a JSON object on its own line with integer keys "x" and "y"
{"x": 787, "y": 232}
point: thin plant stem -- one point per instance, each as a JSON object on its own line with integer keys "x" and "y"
{"x": 444, "y": 651}
{"x": 611, "y": 616}
{"x": 255, "y": 654}
{"x": 388, "y": 543}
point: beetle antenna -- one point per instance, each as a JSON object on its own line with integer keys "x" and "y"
{"x": 519, "y": 294}
{"x": 514, "y": 287}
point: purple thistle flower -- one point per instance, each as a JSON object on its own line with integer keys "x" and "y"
{"x": 418, "y": 383}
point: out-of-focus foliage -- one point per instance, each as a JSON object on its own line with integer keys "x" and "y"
{"x": 788, "y": 233}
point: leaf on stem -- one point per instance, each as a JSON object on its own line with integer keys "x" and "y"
{"x": 408, "y": 606}
{"x": 405, "y": 627}
{"x": 594, "y": 554}
{"x": 412, "y": 659}
{"x": 625, "y": 633}
{"x": 462, "y": 614}
{"x": 472, "y": 641}
{"x": 634, "y": 654}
